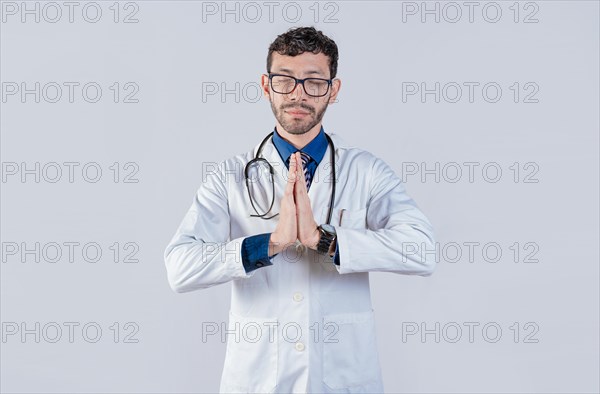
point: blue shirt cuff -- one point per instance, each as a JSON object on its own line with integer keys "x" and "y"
{"x": 336, "y": 256}
{"x": 255, "y": 252}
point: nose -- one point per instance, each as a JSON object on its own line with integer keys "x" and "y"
{"x": 298, "y": 94}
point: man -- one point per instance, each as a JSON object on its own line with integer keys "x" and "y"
{"x": 301, "y": 318}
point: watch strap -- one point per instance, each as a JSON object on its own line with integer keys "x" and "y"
{"x": 325, "y": 241}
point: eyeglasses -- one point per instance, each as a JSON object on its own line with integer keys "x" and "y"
{"x": 285, "y": 84}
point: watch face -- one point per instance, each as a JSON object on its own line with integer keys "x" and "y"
{"x": 329, "y": 228}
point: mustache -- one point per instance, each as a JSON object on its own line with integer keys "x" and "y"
{"x": 300, "y": 106}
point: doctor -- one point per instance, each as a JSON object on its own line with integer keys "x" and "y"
{"x": 301, "y": 318}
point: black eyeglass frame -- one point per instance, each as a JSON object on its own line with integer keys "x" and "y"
{"x": 301, "y": 82}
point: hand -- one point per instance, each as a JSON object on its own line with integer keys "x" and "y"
{"x": 286, "y": 231}
{"x": 308, "y": 234}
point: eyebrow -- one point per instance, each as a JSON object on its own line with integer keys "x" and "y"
{"x": 311, "y": 72}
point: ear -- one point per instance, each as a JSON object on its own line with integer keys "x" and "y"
{"x": 264, "y": 83}
{"x": 336, "y": 84}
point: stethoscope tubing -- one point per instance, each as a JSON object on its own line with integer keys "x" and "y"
{"x": 257, "y": 158}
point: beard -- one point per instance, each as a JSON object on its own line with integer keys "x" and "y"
{"x": 298, "y": 125}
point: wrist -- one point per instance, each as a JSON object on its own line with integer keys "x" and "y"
{"x": 315, "y": 238}
{"x": 327, "y": 238}
{"x": 275, "y": 246}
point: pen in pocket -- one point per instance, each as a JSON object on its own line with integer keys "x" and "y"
{"x": 341, "y": 214}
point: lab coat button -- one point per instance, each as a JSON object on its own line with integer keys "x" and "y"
{"x": 298, "y": 296}
{"x": 259, "y": 264}
{"x": 299, "y": 346}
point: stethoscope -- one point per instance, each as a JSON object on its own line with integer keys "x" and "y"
{"x": 257, "y": 160}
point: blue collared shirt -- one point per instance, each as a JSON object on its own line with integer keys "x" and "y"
{"x": 315, "y": 149}
{"x": 255, "y": 248}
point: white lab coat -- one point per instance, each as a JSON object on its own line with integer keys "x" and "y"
{"x": 302, "y": 324}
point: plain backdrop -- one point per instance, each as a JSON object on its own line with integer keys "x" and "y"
{"x": 513, "y": 303}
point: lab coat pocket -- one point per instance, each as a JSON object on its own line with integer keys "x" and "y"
{"x": 353, "y": 218}
{"x": 251, "y": 355}
{"x": 350, "y": 358}
{"x": 349, "y": 218}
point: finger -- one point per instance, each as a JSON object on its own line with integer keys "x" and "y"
{"x": 289, "y": 187}
{"x": 298, "y": 161}
{"x": 300, "y": 173}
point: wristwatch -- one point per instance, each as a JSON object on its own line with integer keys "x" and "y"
{"x": 328, "y": 235}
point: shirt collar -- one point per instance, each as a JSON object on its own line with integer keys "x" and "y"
{"x": 315, "y": 148}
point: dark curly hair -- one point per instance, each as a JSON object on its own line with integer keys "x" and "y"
{"x": 305, "y": 39}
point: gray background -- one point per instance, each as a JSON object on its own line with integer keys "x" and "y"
{"x": 171, "y": 132}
